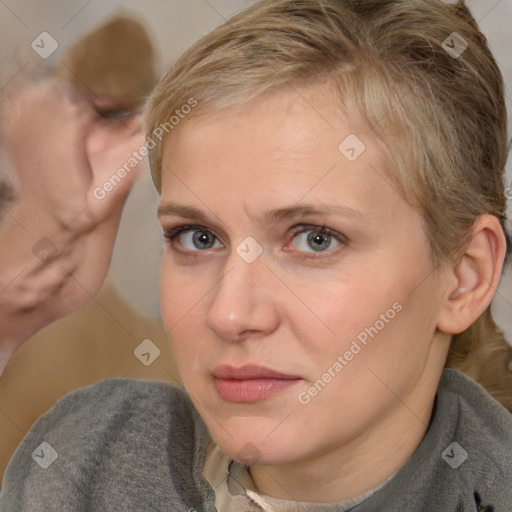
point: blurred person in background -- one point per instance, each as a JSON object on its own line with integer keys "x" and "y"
{"x": 61, "y": 142}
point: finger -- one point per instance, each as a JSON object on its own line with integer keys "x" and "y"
{"x": 114, "y": 174}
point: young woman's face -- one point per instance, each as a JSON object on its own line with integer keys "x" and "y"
{"x": 297, "y": 287}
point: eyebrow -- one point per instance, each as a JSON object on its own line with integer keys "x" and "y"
{"x": 272, "y": 216}
{"x": 178, "y": 210}
{"x": 293, "y": 212}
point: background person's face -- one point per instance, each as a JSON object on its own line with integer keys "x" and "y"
{"x": 312, "y": 292}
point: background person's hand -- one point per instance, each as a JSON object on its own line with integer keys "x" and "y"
{"x": 56, "y": 238}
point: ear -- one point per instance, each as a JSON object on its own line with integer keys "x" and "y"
{"x": 474, "y": 277}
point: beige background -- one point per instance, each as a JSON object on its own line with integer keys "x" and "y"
{"x": 175, "y": 25}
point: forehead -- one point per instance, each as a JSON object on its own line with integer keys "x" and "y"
{"x": 290, "y": 123}
{"x": 286, "y": 147}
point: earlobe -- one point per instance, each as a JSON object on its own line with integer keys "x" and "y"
{"x": 475, "y": 276}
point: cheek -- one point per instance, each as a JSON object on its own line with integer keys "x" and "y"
{"x": 356, "y": 368}
{"x": 181, "y": 291}
{"x": 370, "y": 318}
{"x": 171, "y": 302}
{"x": 346, "y": 307}
{"x": 181, "y": 306}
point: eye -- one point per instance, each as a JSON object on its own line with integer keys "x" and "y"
{"x": 193, "y": 238}
{"x": 316, "y": 240}
{"x": 200, "y": 240}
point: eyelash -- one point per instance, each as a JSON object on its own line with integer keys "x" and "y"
{"x": 172, "y": 234}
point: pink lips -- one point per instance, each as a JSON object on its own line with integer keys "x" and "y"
{"x": 250, "y": 383}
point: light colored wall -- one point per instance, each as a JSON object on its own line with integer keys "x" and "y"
{"x": 176, "y": 24}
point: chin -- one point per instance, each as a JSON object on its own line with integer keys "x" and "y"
{"x": 251, "y": 449}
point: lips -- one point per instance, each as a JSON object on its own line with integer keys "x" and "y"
{"x": 250, "y": 383}
{"x": 250, "y": 372}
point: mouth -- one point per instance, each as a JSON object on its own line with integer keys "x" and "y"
{"x": 250, "y": 383}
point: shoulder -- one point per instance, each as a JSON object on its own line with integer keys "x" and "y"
{"x": 483, "y": 436}
{"x": 113, "y": 430}
{"x": 476, "y": 409}
{"x": 112, "y": 395}
{"x": 118, "y": 404}
{"x": 464, "y": 461}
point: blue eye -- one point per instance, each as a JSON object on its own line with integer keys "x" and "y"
{"x": 315, "y": 240}
{"x": 193, "y": 239}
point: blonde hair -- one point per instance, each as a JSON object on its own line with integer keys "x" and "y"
{"x": 441, "y": 115}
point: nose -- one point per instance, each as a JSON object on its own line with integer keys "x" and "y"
{"x": 243, "y": 304}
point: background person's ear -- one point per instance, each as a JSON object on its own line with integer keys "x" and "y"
{"x": 474, "y": 277}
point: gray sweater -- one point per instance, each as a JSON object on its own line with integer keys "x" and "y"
{"x": 131, "y": 445}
